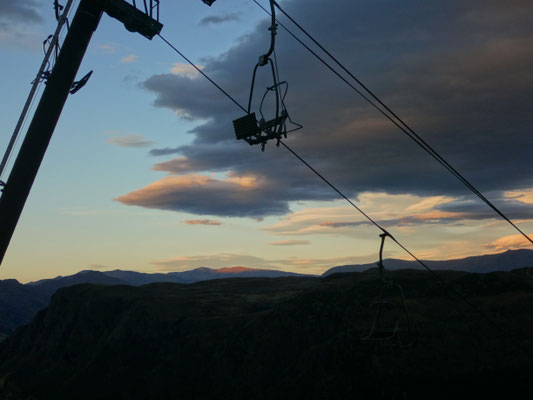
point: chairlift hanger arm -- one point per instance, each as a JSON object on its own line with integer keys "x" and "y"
{"x": 263, "y": 60}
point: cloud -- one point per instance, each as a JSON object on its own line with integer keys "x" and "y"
{"x": 462, "y": 79}
{"x": 23, "y": 38}
{"x": 110, "y": 48}
{"x": 434, "y": 217}
{"x": 20, "y": 11}
{"x": 512, "y": 242}
{"x": 388, "y": 210}
{"x": 130, "y": 58}
{"x": 344, "y": 224}
{"x": 164, "y": 151}
{"x": 133, "y": 140}
{"x": 290, "y": 242}
{"x": 395, "y": 211}
{"x": 200, "y": 194}
{"x": 185, "y": 70}
{"x": 312, "y": 221}
{"x": 521, "y": 196}
{"x": 218, "y": 19}
{"x": 514, "y": 207}
{"x": 429, "y": 203}
{"x": 203, "y": 222}
{"x": 19, "y": 22}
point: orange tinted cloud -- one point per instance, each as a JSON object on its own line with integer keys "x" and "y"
{"x": 523, "y": 196}
{"x": 202, "y": 222}
{"x": 133, "y": 140}
{"x": 511, "y": 242}
{"x": 185, "y": 70}
{"x": 130, "y": 58}
{"x": 240, "y": 196}
{"x": 290, "y": 242}
{"x": 429, "y": 203}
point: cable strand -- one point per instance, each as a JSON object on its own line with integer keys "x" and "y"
{"x": 404, "y": 126}
{"x": 203, "y": 73}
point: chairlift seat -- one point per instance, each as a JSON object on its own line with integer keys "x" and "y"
{"x": 382, "y": 332}
{"x": 273, "y": 122}
{"x": 382, "y": 335}
{"x": 253, "y": 132}
{"x": 381, "y": 302}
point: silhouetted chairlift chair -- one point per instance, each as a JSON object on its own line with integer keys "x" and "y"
{"x": 392, "y": 323}
{"x": 248, "y": 128}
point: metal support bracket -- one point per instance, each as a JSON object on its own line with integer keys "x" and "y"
{"x": 133, "y": 19}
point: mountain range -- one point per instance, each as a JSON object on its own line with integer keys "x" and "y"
{"x": 121, "y": 277}
{"x": 19, "y": 303}
{"x": 282, "y": 338}
{"x": 506, "y": 261}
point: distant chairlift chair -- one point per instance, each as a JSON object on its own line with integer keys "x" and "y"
{"x": 392, "y": 323}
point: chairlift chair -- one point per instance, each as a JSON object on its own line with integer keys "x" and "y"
{"x": 392, "y": 322}
{"x": 248, "y": 127}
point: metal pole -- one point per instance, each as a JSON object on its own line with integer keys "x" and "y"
{"x": 34, "y": 86}
{"x": 42, "y": 126}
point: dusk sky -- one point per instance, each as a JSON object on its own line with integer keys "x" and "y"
{"x": 144, "y": 173}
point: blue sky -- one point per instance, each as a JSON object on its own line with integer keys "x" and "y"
{"x": 460, "y": 74}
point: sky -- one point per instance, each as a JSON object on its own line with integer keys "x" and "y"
{"x": 144, "y": 172}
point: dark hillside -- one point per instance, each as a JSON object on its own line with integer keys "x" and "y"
{"x": 283, "y": 338}
{"x": 18, "y": 304}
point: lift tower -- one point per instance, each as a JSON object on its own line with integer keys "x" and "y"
{"x": 59, "y": 84}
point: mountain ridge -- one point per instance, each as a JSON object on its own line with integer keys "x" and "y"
{"x": 19, "y": 303}
{"x": 282, "y": 338}
{"x": 506, "y": 261}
